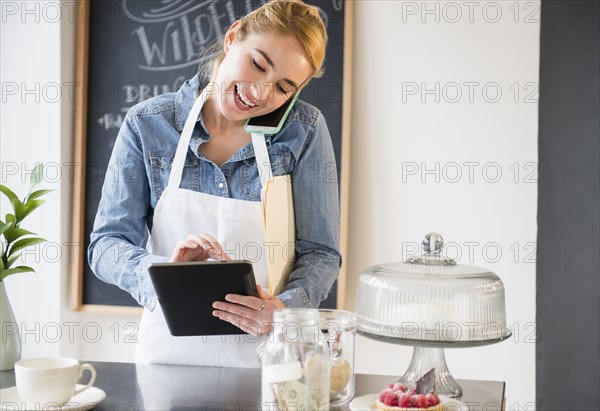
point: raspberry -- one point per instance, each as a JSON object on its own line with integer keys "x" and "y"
{"x": 413, "y": 391}
{"x": 421, "y": 401}
{"x": 432, "y": 399}
{"x": 384, "y": 393}
{"x": 388, "y": 398}
{"x": 404, "y": 401}
{"x": 399, "y": 387}
{"x": 392, "y": 401}
{"x": 390, "y": 386}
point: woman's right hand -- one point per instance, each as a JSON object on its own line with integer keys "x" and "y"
{"x": 198, "y": 248}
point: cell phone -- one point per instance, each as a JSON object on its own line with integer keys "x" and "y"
{"x": 272, "y": 122}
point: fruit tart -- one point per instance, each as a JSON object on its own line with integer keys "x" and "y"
{"x": 396, "y": 397}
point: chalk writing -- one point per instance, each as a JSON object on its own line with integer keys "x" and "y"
{"x": 135, "y": 93}
{"x": 182, "y": 29}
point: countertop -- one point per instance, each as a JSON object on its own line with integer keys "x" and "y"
{"x": 135, "y": 387}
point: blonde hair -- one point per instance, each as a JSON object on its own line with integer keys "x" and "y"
{"x": 287, "y": 18}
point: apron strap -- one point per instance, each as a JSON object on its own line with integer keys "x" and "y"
{"x": 184, "y": 140}
{"x": 262, "y": 159}
{"x": 258, "y": 142}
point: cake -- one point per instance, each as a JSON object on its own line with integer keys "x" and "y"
{"x": 422, "y": 397}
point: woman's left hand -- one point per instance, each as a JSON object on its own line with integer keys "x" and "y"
{"x": 251, "y": 314}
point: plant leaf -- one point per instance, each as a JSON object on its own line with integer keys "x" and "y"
{"x": 4, "y": 226}
{"x": 27, "y": 208}
{"x": 15, "y": 233}
{"x": 16, "y": 270}
{"x": 36, "y": 194}
{"x": 11, "y": 219}
{"x": 26, "y": 242}
{"x": 37, "y": 175}
{"x": 14, "y": 200}
{"x": 1, "y": 265}
{"x": 11, "y": 260}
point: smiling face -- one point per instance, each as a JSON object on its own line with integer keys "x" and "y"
{"x": 258, "y": 74}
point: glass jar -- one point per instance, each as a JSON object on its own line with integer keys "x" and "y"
{"x": 296, "y": 363}
{"x": 339, "y": 329}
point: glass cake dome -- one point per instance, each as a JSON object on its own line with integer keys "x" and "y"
{"x": 431, "y": 302}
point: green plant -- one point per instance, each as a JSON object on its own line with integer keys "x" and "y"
{"x": 15, "y": 238}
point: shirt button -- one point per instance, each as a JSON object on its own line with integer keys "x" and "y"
{"x": 221, "y": 185}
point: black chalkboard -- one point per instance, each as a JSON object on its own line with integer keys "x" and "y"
{"x": 138, "y": 49}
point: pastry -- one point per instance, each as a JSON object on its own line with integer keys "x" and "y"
{"x": 409, "y": 402}
{"x": 396, "y": 397}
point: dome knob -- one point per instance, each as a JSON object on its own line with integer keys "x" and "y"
{"x": 433, "y": 243}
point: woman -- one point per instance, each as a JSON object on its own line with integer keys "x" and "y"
{"x": 195, "y": 184}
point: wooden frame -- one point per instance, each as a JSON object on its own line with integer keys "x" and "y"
{"x": 79, "y": 158}
{"x": 346, "y": 136}
{"x": 79, "y": 147}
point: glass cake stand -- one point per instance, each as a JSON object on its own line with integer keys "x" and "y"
{"x": 428, "y": 354}
{"x": 411, "y": 302}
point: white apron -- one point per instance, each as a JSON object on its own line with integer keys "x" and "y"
{"x": 237, "y": 225}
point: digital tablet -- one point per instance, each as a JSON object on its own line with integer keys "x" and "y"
{"x": 186, "y": 292}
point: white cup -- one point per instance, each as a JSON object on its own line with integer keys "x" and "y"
{"x": 50, "y": 381}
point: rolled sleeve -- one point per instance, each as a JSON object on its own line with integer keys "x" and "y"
{"x": 117, "y": 253}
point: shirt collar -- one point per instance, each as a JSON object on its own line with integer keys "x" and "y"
{"x": 184, "y": 100}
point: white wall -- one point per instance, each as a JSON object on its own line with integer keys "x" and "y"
{"x": 399, "y": 132}
{"x": 30, "y": 133}
{"x": 37, "y": 76}
{"x": 396, "y": 137}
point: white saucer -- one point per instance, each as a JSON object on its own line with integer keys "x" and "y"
{"x": 10, "y": 400}
{"x": 367, "y": 403}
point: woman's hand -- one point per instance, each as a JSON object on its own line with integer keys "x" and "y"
{"x": 198, "y": 248}
{"x": 250, "y": 314}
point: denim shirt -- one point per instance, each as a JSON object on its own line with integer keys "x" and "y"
{"x": 138, "y": 173}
